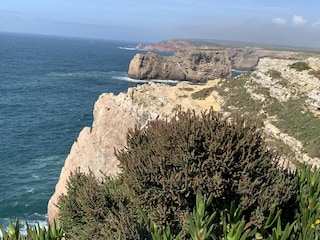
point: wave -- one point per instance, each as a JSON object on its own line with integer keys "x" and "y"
{"x": 46, "y": 161}
{"x": 128, "y": 48}
{"x": 29, "y": 189}
{"x": 80, "y": 74}
{"x": 125, "y": 78}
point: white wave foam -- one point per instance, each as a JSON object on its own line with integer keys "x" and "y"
{"x": 79, "y": 74}
{"x": 29, "y": 189}
{"x": 42, "y": 162}
{"x": 35, "y": 176}
{"x": 128, "y": 48}
{"x": 124, "y": 78}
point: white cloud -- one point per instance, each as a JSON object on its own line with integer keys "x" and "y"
{"x": 298, "y": 20}
{"x": 279, "y": 21}
{"x": 316, "y": 24}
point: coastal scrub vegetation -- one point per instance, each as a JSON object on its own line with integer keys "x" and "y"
{"x": 300, "y": 66}
{"x": 274, "y": 73}
{"x": 292, "y": 117}
{"x": 194, "y": 177}
{"x": 33, "y": 232}
{"x": 203, "y": 93}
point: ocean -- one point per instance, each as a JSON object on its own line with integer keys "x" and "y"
{"x": 48, "y": 87}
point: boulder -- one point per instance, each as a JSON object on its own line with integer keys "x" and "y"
{"x": 185, "y": 65}
{"x": 243, "y": 59}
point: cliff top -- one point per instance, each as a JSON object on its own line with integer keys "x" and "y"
{"x": 281, "y": 95}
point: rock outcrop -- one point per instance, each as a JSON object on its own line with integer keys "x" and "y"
{"x": 113, "y": 115}
{"x": 243, "y": 59}
{"x": 273, "y": 82}
{"x": 243, "y": 56}
{"x": 185, "y": 65}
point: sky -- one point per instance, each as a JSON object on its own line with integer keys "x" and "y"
{"x": 281, "y": 22}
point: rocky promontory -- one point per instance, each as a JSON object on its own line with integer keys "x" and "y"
{"x": 185, "y": 65}
{"x": 243, "y": 56}
{"x": 281, "y": 96}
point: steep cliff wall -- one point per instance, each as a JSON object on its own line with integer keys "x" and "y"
{"x": 285, "y": 102}
{"x": 113, "y": 115}
{"x": 243, "y": 56}
{"x": 185, "y": 65}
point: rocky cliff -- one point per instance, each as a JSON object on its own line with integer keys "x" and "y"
{"x": 284, "y": 101}
{"x": 243, "y": 56}
{"x": 113, "y": 115}
{"x": 185, "y": 65}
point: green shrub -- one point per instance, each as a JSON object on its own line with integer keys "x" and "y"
{"x": 190, "y": 89}
{"x": 308, "y": 202}
{"x": 274, "y": 73}
{"x": 300, "y": 66}
{"x": 168, "y": 162}
{"x": 33, "y": 232}
{"x": 95, "y": 210}
{"x": 315, "y": 73}
{"x": 203, "y": 93}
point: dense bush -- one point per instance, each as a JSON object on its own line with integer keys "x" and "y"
{"x": 274, "y": 73}
{"x": 168, "y": 162}
{"x": 203, "y": 93}
{"x": 167, "y": 169}
{"x": 94, "y": 210}
{"x": 300, "y": 66}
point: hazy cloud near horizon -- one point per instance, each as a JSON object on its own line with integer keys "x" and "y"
{"x": 274, "y": 22}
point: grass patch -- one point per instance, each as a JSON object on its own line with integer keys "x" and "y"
{"x": 274, "y": 73}
{"x": 237, "y": 97}
{"x": 189, "y": 89}
{"x": 203, "y": 93}
{"x": 299, "y": 122}
{"x": 315, "y": 73}
{"x": 282, "y": 148}
{"x": 300, "y": 66}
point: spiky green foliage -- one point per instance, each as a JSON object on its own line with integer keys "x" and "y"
{"x": 33, "y": 232}
{"x": 166, "y": 163}
{"x": 92, "y": 209}
{"x": 308, "y": 202}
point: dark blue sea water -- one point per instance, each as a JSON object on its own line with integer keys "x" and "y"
{"x": 48, "y": 86}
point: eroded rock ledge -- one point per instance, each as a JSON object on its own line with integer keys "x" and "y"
{"x": 185, "y": 65}
{"x": 113, "y": 115}
{"x": 273, "y": 81}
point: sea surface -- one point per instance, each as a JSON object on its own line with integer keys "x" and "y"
{"x": 48, "y": 86}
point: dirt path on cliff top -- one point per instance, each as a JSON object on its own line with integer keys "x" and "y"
{"x": 181, "y": 94}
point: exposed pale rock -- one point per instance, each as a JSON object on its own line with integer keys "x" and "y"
{"x": 243, "y": 59}
{"x": 113, "y": 115}
{"x": 185, "y": 65}
{"x": 314, "y": 99}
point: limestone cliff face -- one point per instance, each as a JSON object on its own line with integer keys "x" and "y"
{"x": 243, "y": 59}
{"x": 113, "y": 115}
{"x": 242, "y": 56}
{"x": 185, "y": 65}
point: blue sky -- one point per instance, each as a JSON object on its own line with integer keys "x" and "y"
{"x": 287, "y": 22}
